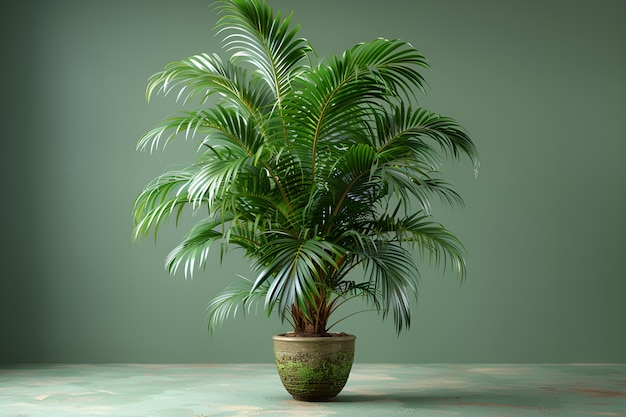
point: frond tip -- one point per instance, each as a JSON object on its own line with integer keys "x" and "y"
{"x": 238, "y": 297}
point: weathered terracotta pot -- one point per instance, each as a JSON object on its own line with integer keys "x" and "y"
{"x": 314, "y": 368}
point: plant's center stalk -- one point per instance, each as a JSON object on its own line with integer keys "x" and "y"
{"x": 314, "y": 320}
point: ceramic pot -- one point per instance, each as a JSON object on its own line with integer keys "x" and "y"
{"x": 314, "y": 368}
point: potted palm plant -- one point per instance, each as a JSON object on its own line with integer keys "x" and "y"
{"x": 320, "y": 169}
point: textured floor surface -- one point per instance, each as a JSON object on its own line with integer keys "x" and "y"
{"x": 129, "y": 390}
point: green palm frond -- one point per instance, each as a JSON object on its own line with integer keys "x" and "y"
{"x": 214, "y": 180}
{"x": 159, "y": 199}
{"x": 239, "y": 296}
{"x": 432, "y": 239}
{"x": 205, "y": 75}
{"x": 416, "y": 187}
{"x": 394, "y": 274}
{"x": 334, "y": 101}
{"x": 264, "y": 40}
{"x": 164, "y": 132}
{"x": 328, "y": 101}
{"x": 294, "y": 268}
{"x": 217, "y": 124}
{"x": 448, "y": 134}
{"x": 410, "y": 128}
{"x": 193, "y": 251}
{"x": 354, "y": 189}
{"x": 395, "y": 62}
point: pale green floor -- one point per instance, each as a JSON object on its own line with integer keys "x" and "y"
{"x": 129, "y": 390}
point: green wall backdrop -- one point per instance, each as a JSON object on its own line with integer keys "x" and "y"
{"x": 540, "y": 85}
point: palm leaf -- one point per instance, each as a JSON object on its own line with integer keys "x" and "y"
{"x": 239, "y": 296}
{"x": 257, "y": 36}
{"x": 193, "y": 251}
{"x": 395, "y": 62}
{"x": 432, "y": 239}
{"x": 394, "y": 274}
{"x": 293, "y": 268}
{"x": 159, "y": 199}
{"x": 445, "y": 131}
{"x": 218, "y": 124}
{"x": 205, "y": 75}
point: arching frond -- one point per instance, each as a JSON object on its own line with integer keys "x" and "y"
{"x": 239, "y": 296}
{"x": 160, "y": 198}
{"x": 219, "y": 124}
{"x": 394, "y": 275}
{"x": 294, "y": 268}
{"x": 394, "y": 62}
{"x": 205, "y": 75}
{"x": 432, "y": 239}
{"x": 421, "y": 124}
{"x": 193, "y": 251}
{"x": 261, "y": 38}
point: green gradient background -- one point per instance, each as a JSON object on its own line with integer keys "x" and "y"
{"x": 540, "y": 85}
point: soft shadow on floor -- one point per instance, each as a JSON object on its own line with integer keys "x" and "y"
{"x": 529, "y": 399}
{"x": 404, "y": 398}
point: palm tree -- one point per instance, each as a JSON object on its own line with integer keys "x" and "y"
{"x": 314, "y": 167}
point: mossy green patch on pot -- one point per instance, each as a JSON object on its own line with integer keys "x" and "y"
{"x": 301, "y": 372}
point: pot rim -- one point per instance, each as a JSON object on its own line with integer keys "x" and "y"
{"x": 313, "y": 339}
